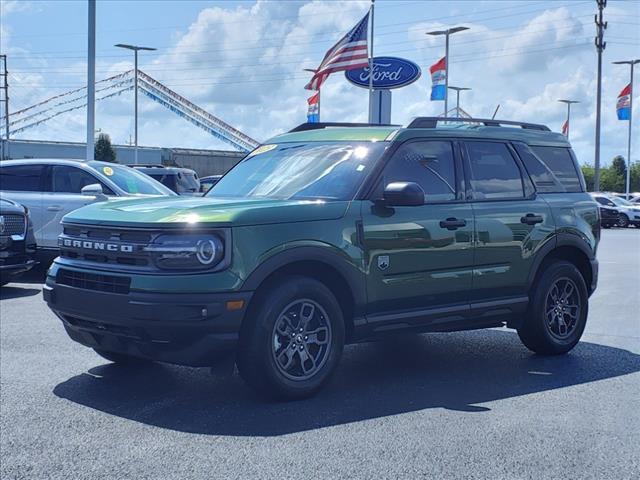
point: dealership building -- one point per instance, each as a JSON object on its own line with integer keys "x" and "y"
{"x": 204, "y": 162}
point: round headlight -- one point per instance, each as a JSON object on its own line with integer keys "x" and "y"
{"x": 206, "y": 251}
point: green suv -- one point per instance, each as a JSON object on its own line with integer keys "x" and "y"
{"x": 332, "y": 234}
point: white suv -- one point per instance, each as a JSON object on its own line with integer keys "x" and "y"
{"x": 51, "y": 188}
{"x": 629, "y": 212}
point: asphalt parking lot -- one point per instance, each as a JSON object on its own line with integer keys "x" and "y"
{"x": 462, "y": 405}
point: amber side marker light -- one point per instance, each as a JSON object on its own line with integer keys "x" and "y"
{"x": 235, "y": 304}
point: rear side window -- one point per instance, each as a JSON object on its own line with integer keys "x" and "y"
{"x": 21, "y": 178}
{"x": 493, "y": 171}
{"x": 560, "y": 161}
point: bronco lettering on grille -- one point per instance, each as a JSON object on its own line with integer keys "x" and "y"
{"x": 90, "y": 245}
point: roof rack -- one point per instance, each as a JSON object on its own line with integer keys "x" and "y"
{"x": 319, "y": 125}
{"x": 431, "y": 122}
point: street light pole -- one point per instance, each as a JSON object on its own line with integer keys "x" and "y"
{"x": 135, "y": 49}
{"x": 91, "y": 79}
{"x": 631, "y": 63}
{"x": 458, "y": 90}
{"x": 568, "y": 102}
{"x": 447, "y": 33}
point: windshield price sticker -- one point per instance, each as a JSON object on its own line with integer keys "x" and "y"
{"x": 262, "y": 149}
{"x": 108, "y": 171}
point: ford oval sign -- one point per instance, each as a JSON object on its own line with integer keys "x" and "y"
{"x": 388, "y": 72}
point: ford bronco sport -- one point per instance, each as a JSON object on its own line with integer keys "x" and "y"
{"x": 333, "y": 234}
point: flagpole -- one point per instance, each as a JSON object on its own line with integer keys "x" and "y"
{"x": 631, "y": 63}
{"x": 628, "y": 180}
{"x": 319, "y": 105}
{"x": 371, "y": 119}
{"x": 446, "y": 74}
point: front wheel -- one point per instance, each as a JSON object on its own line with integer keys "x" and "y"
{"x": 292, "y": 339}
{"x": 558, "y": 309}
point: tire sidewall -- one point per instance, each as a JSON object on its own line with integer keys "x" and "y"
{"x": 266, "y": 314}
{"x": 550, "y": 276}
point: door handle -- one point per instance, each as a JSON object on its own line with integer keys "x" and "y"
{"x": 531, "y": 219}
{"x": 54, "y": 208}
{"x": 452, "y": 223}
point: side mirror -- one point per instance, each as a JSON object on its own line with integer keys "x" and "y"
{"x": 403, "y": 194}
{"x": 93, "y": 190}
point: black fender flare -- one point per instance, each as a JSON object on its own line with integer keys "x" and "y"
{"x": 562, "y": 239}
{"x": 337, "y": 261}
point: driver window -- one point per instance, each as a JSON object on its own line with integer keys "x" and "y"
{"x": 67, "y": 179}
{"x": 430, "y": 164}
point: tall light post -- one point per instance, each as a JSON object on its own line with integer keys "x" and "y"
{"x": 569, "y": 103}
{"x": 631, "y": 63}
{"x": 458, "y": 90}
{"x": 601, "y": 26}
{"x": 447, "y": 33}
{"x": 135, "y": 49}
{"x": 91, "y": 78}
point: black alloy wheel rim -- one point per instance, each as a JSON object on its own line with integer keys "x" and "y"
{"x": 624, "y": 221}
{"x": 301, "y": 339}
{"x": 562, "y": 308}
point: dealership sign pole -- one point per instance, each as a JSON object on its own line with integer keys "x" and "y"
{"x": 371, "y": 119}
{"x": 91, "y": 78}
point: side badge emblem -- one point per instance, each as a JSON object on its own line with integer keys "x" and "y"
{"x": 383, "y": 262}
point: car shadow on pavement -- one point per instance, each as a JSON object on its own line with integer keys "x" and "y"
{"x": 14, "y": 291}
{"x": 458, "y": 371}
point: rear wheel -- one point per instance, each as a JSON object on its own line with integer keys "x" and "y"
{"x": 558, "y": 310}
{"x": 623, "y": 221}
{"x": 292, "y": 339}
{"x": 121, "y": 358}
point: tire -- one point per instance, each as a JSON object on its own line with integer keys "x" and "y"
{"x": 543, "y": 331}
{"x": 121, "y": 358}
{"x": 274, "y": 357}
{"x": 623, "y": 221}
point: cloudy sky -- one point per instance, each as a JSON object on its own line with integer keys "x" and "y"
{"x": 243, "y": 61}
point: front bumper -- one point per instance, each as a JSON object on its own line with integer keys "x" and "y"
{"x": 12, "y": 269}
{"x": 185, "y": 329}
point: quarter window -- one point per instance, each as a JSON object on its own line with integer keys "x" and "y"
{"x": 21, "y": 178}
{"x": 429, "y": 164}
{"x": 560, "y": 162}
{"x": 493, "y": 171}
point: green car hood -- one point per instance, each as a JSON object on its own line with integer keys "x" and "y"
{"x": 152, "y": 212}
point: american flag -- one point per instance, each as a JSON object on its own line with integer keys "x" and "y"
{"x": 565, "y": 128}
{"x": 350, "y": 52}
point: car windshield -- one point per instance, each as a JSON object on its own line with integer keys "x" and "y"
{"x": 330, "y": 171}
{"x": 621, "y": 201}
{"x": 130, "y": 180}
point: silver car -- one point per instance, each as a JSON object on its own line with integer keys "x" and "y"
{"x": 51, "y": 188}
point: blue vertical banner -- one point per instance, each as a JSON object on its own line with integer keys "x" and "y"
{"x": 313, "y": 110}
{"x": 438, "y": 80}
{"x": 623, "y": 105}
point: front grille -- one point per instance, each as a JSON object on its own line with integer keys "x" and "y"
{"x": 75, "y": 239}
{"x": 12, "y": 224}
{"x": 91, "y": 281}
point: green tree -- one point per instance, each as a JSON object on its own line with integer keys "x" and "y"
{"x": 589, "y": 173}
{"x": 103, "y": 150}
{"x": 619, "y": 165}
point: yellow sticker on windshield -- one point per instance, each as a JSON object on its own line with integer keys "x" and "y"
{"x": 108, "y": 171}
{"x": 262, "y": 149}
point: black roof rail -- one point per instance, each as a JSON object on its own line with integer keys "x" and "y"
{"x": 319, "y": 125}
{"x": 148, "y": 165}
{"x": 431, "y": 122}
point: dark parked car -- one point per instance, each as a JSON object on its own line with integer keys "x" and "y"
{"x": 609, "y": 217}
{"x": 183, "y": 181}
{"x": 17, "y": 242}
